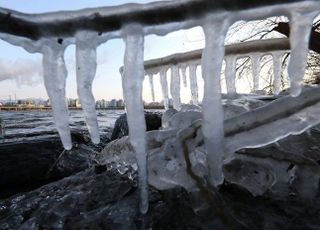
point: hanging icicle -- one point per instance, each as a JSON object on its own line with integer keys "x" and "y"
{"x": 164, "y": 87}
{"x": 86, "y": 65}
{"x": 255, "y": 62}
{"x": 277, "y": 71}
{"x": 133, "y": 75}
{"x": 300, "y": 29}
{"x": 150, "y": 75}
{"x": 230, "y": 74}
{"x": 184, "y": 75}
{"x": 193, "y": 83}
{"x": 215, "y": 30}
{"x": 54, "y": 76}
{"x": 175, "y": 87}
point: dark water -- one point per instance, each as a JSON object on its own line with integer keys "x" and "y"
{"x": 29, "y": 124}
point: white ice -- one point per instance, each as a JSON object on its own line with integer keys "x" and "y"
{"x": 230, "y": 73}
{"x": 184, "y": 75}
{"x": 215, "y": 30}
{"x": 300, "y": 28}
{"x": 193, "y": 83}
{"x": 277, "y": 70}
{"x": 133, "y": 75}
{"x": 54, "y": 76}
{"x": 151, "y": 86}
{"x": 175, "y": 87}
{"x": 164, "y": 87}
{"x": 86, "y": 65}
{"x": 255, "y": 62}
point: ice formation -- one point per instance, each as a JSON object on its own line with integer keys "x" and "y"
{"x": 184, "y": 75}
{"x": 164, "y": 87}
{"x": 255, "y": 62}
{"x": 86, "y": 65}
{"x": 193, "y": 83}
{"x": 150, "y": 75}
{"x": 175, "y": 87}
{"x": 133, "y": 75}
{"x": 277, "y": 71}
{"x": 47, "y": 34}
{"x": 215, "y": 30}
{"x": 300, "y": 29}
{"x": 230, "y": 73}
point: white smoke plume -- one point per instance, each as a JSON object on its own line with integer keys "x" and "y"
{"x": 23, "y": 71}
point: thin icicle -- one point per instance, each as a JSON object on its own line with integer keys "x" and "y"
{"x": 184, "y": 75}
{"x": 215, "y": 30}
{"x": 255, "y": 62}
{"x": 175, "y": 87}
{"x": 230, "y": 74}
{"x": 300, "y": 29}
{"x": 86, "y": 65}
{"x": 193, "y": 84}
{"x": 164, "y": 87}
{"x": 54, "y": 75}
{"x": 277, "y": 70}
{"x": 133, "y": 75}
{"x": 151, "y": 86}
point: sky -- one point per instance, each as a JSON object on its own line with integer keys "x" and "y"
{"x": 20, "y": 72}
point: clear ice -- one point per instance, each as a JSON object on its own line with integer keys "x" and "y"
{"x": 255, "y": 62}
{"x": 150, "y": 75}
{"x": 86, "y": 65}
{"x": 300, "y": 28}
{"x": 184, "y": 75}
{"x": 133, "y": 75}
{"x": 175, "y": 87}
{"x": 230, "y": 73}
{"x": 277, "y": 70}
{"x": 193, "y": 83}
{"x": 215, "y": 30}
{"x": 164, "y": 87}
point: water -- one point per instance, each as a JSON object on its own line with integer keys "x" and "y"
{"x": 31, "y": 124}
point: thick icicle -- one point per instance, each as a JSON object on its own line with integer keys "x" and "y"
{"x": 230, "y": 74}
{"x": 215, "y": 30}
{"x": 151, "y": 86}
{"x": 184, "y": 75}
{"x": 133, "y": 75}
{"x": 86, "y": 64}
{"x": 277, "y": 70}
{"x": 193, "y": 84}
{"x": 175, "y": 87}
{"x": 54, "y": 76}
{"x": 164, "y": 87}
{"x": 300, "y": 29}
{"x": 255, "y": 62}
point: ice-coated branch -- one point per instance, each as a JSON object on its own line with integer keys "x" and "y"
{"x": 86, "y": 65}
{"x": 300, "y": 29}
{"x": 215, "y": 30}
{"x": 153, "y": 15}
{"x": 175, "y": 87}
{"x": 54, "y": 76}
{"x": 133, "y": 75}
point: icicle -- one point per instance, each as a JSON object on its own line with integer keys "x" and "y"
{"x": 151, "y": 86}
{"x": 133, "y": 75}
{"x": 175, "y": 87}
{"x": 164, "y": 87}
{"x": 300, "y": 28}
{"x": 86, "y": 64}
{"x": 277, "y": 70}
{"x": 193, "y": 84}
{"x": 255, "y": 62}
{"x": 230, "y": 74}
{"x": 212, "y": 57}
{"x": 184, "y": 75}
{"x": 54, "y": 75}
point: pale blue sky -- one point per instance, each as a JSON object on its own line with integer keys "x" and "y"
{"x": 107, "y": 84}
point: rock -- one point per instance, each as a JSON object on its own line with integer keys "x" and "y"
{"x": 153, "y": 122}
